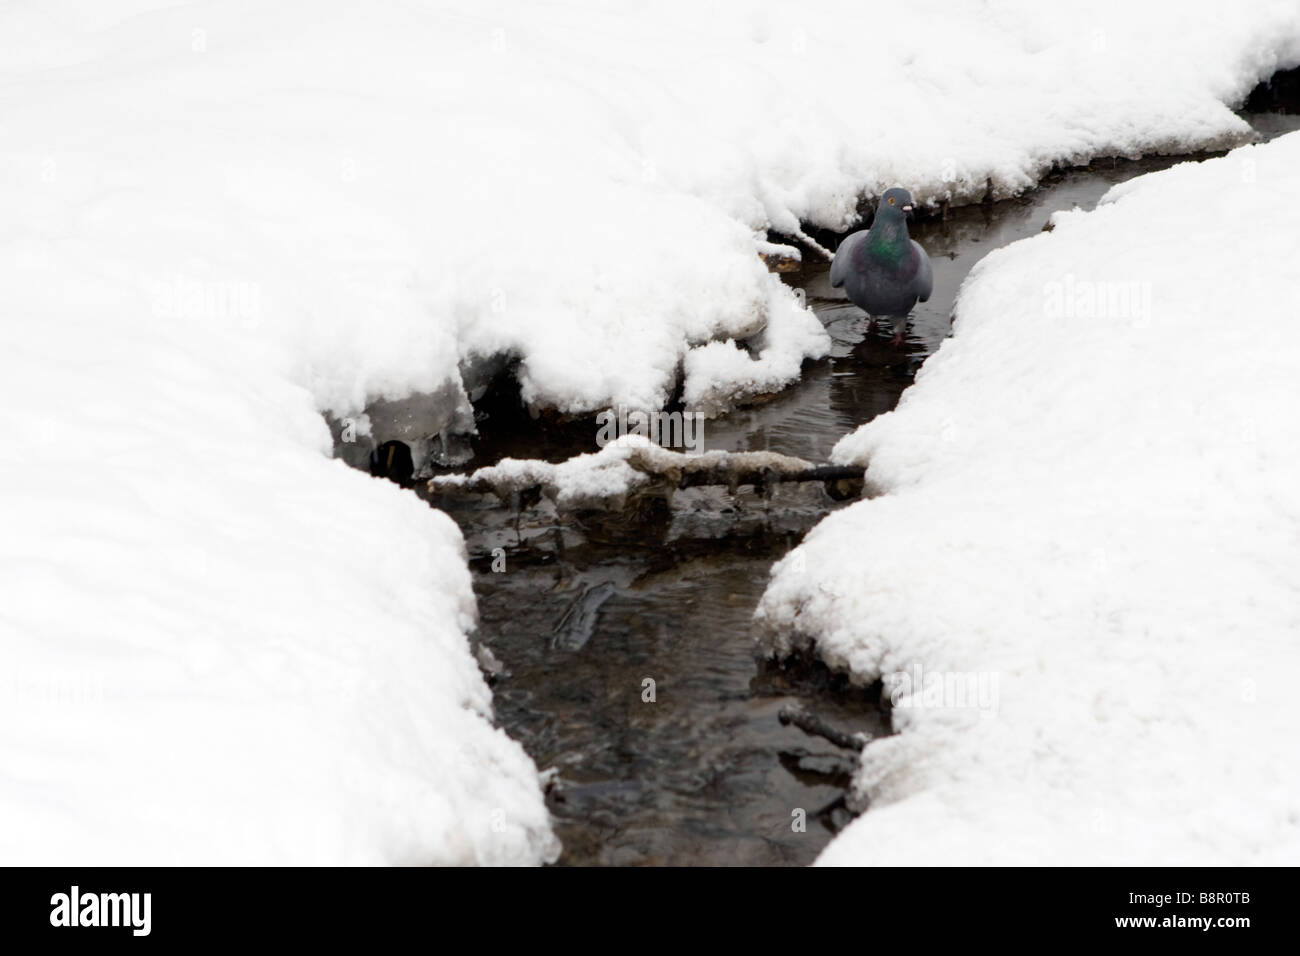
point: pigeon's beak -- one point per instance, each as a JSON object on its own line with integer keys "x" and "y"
{"x": 907, "y": 208}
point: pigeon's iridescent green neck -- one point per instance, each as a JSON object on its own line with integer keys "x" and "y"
{"x": 887, "y": 239}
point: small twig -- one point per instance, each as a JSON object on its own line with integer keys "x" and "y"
{"x": 811, "y": 243}
{"x": 814, "y": 725}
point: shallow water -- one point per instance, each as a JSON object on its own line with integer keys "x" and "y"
{"x": 589, "y": 607}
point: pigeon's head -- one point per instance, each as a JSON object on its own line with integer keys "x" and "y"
{"x": 897, "y": 200}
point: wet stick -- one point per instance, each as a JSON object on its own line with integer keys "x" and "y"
{"x": 812, "y": 724}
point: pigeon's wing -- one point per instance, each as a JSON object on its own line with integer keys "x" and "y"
{"x": 923, "y": 283}
{"x": 843, "y": 255}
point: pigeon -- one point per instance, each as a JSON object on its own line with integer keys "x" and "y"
{"x": 884, "y": 271}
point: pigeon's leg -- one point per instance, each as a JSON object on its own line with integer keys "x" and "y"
{"x": 900, "y": 323}
{"x": 873, "y": 326}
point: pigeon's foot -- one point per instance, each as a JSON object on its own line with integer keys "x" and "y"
{"x": 872, "y": 327}
{"x": 897, "y": 340}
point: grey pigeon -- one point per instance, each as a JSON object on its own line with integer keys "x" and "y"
{"x": 884, "y": 271}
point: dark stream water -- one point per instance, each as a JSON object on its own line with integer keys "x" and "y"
{"x": 591, "y": 606}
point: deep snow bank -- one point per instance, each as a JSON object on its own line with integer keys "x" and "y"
{"x": 387, "y": 189}
{"x": 217, "y": 645}
{"x": 1082, "y": 581}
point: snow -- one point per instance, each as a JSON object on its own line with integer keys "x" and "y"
{"x": 722, "y": 373}
{"x": 1088, "y": 519}
{"x": 601, "y": 479}
{"x": 400, "y": 188}
{"x": 223, "y": 219}
{"x": 218, "y": 645}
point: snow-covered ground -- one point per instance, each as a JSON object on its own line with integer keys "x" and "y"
{"x": 218, "y": 645}
{"x": 221, "y": 219}
{"x": 383, "y": 190}
{"x": 1081, "y": 581}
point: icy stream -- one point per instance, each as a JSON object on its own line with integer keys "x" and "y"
{"x": 583, "y": 611}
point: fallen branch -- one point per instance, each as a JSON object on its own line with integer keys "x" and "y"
{"x": 606, "y": 478}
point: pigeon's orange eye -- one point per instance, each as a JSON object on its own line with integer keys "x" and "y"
{"x": 891, "y": 201}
